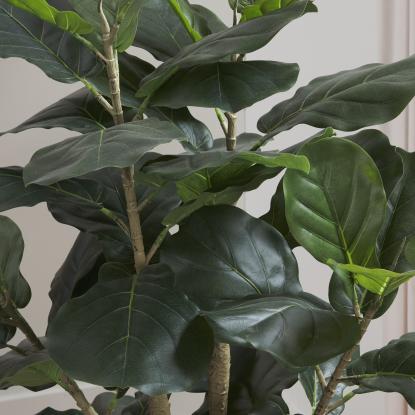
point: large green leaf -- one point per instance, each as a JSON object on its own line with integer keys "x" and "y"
{"x": 243, "y": 38}
{"x": 312, "y": 386}
{"x": 369, "y": 95}
{"x": 124, "y": 13}
{"x": 132, "y": 332}
{"x": 222, "y": 253}
{"x": 226, "y": 85}
{"x": 292, "y": 329}
{"x": 257, "y": 381}
{"x": 35, "y": 370}
{"x": 51, "y": 411}
{"x": 65, "y": 20}
{"x": 11, "y": 253}
{"x": 336, "y": 212}
{"x": 161, "y": 31}
{"x": 53, "y": 50}
{"x": 119, "y": 146}
{"x": 390, "y": 369}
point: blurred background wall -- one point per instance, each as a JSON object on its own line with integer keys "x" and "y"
{"x": 344, "y": 34}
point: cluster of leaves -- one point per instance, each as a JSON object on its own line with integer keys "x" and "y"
{"x": 224, "y": 276}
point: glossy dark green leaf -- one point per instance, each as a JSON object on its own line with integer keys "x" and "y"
{"x": 11, "y": 253}
{"x": 78, "y": 273}
{"x": 119, "y": 146}
{"x": 34, "y": 371}
{"x": 79, "y": 111}
{"x": 162, "y": 33}
{"x": 213, "y": 22}
{"x": 53, "y": 50}
{"x": 124, "y": 13}
{"x": 243, "y": 38}
{"x": 347, "y": 101}
{"x": 257, "y": 381}
{"x": 312, "y": 386}
{"x": 292, "y": 329}
{"x": 65, "y": 20}
{"x": 222, "y": 253}
{"x": 226, "y": 85}
{"x": 127, "y": 405}
{"x": 336, "y": 212}
{"x": 6, "y": 333}
{"x": 198, "y": 134}
{"x": 132, "y": 332}
{"x": 390, "y": 369}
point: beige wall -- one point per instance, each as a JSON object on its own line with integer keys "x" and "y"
{"x": 346, "y": 33}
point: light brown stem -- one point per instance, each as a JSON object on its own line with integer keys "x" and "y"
{"x": 219, "y": 374}
{"x": 321, "y": 378}
{"x": 65, "y": 382}
{"x": 345, "y": 361}
{"x": 159, "y": 405}
{"x": 231, "y": 131}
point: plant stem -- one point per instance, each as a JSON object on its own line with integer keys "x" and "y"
{"x": 231, "y": 131}
{"x": 321, "y": 378}
{"x": 341, "y": 402}
{"x": 219, "y": 370}
{"x": 345, "y": 360}
{"x": 160, "y": 404}
{"x": 157, "y": 243}
{"x": 65, "y": 381}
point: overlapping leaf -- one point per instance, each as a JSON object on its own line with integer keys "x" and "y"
{"x": 53, "y": 50}
{"x": 119, "y": 146}
{"x": 390, "y": 369}
{"x": 127, "y": 405}
{"x": 238, "y": 256}
{"x": 229, "y": 86}
{"x": 369, "y": 95}
{"x": 243, "y": 38}
{"x": 132, "y": 332}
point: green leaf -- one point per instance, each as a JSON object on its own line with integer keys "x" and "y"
{"x": 34, "y": 371}
{"x": 6, "y": 333}
{"x": 336, "y": 212}
{"x": 124, "y": 13}
{"x": 199, "y": 137}
{"x": 132, "y": 332}
{"x": 11, "y": 253}
{"x": 390, "y": 369}
{"x": 243, "y": 38}
{"x": 51, "y": 411}
{"x": 238, "y": 256}
{"x": 127, "y": 405}
{"x": 26, "y": 36}
{"x": 349, "y": 100}
{"x": 292, "y": 329}
{"x": 312, "y": 387}
{"x": 162, "y": 33}
{"x": 377, "y": 280}
{"x": 79, "y": 112}
{"x": 119, "y": 146}
{"x": 65, "y": 20}
{"x": 229, "y": 86}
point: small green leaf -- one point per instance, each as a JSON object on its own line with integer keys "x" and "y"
{"x": 119, "y": 146}
{"x": 35, "y": 370}
{"x": 390, "y": 369}
{"x": 11, "y": 253}
{"x": 238, "y": 256}
{"x": 51, "y": 411}
{"x": 229, "y": 86}
{"x": 378, "y": 281}
{"x": 65, "y": 20}
{"x": 127, "y": 405}
{"x": 347, "y": 101}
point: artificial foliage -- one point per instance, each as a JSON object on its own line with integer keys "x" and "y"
{"x": 169, "y": 286}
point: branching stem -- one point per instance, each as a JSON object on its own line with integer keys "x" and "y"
{"x": 329, "y": 391}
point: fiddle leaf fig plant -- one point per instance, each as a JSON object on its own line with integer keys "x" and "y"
{"x": 170, "y": 287}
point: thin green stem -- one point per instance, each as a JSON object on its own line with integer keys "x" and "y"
{"x": 193, "y": 33}
{"x": 341, "y": 402}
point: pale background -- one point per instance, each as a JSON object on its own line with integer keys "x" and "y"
{"x": 345, "y": 34}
